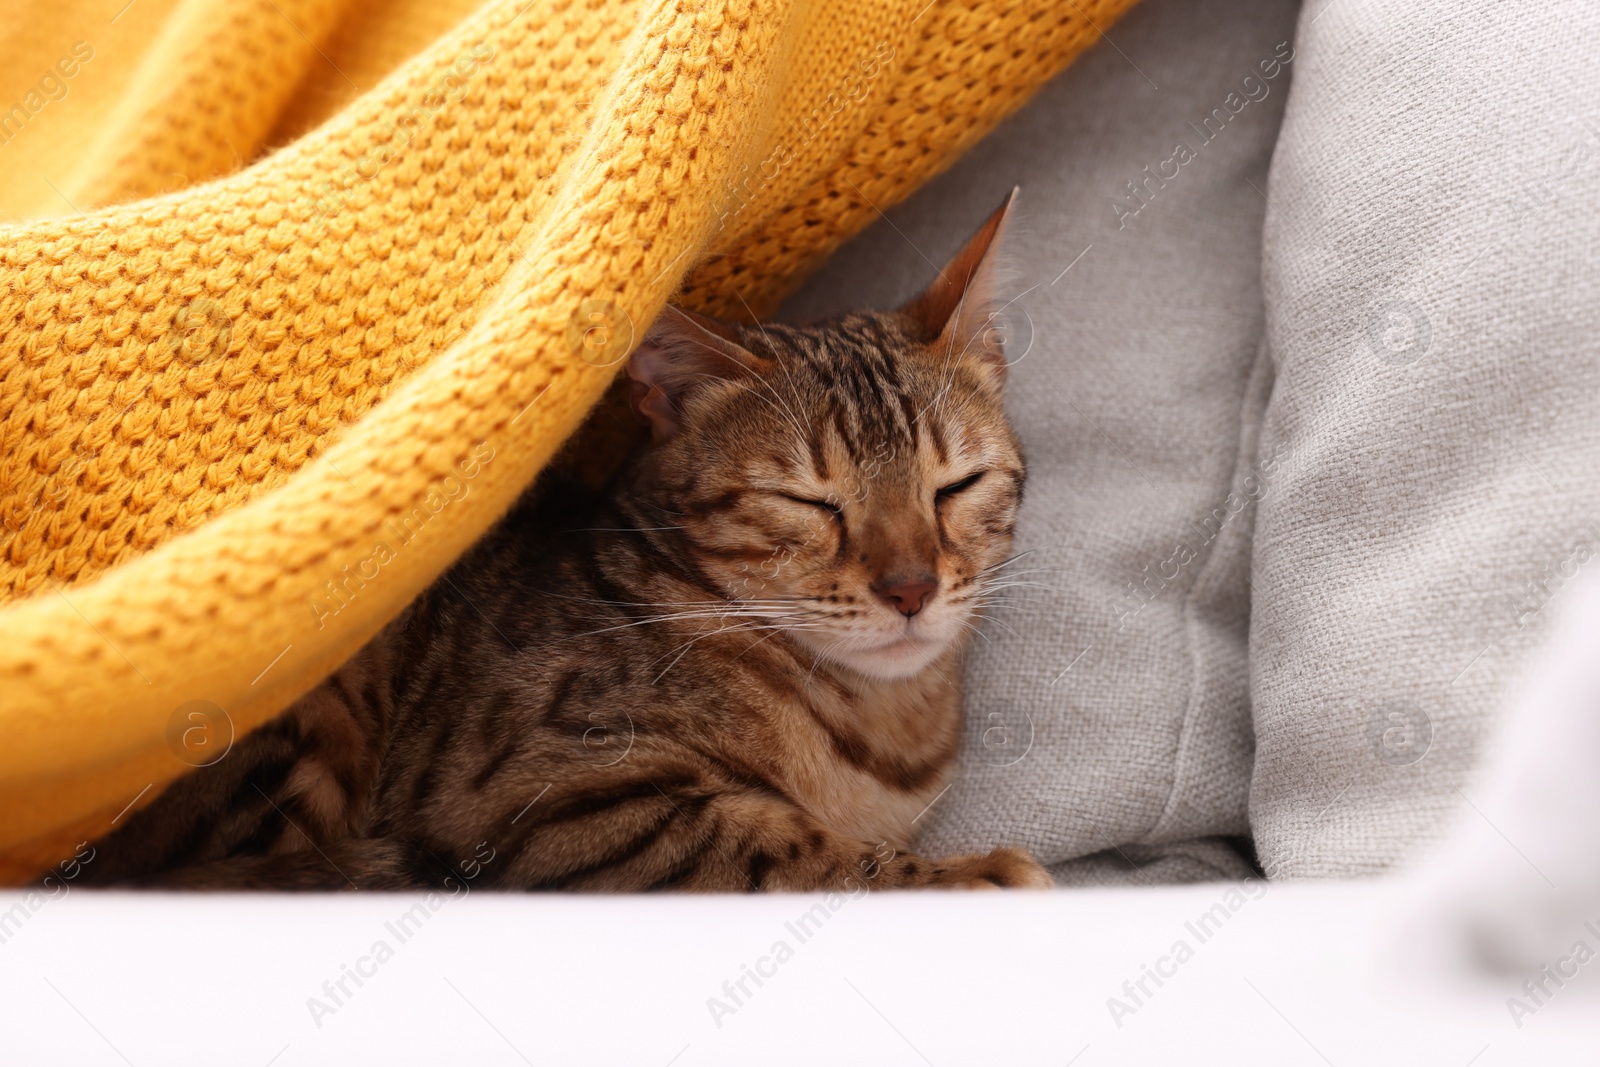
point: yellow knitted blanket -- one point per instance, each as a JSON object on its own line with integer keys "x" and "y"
{"x": 297, "y": 295}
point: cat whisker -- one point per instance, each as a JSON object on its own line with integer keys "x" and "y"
{"x": 1014, "y": 578}
{"x": 690, "y": 617}
{"x": 1028, "y": 605}
{"x": 1008, "y": 561}
{"x": 995, "y": 575}
{"x": 776, "y": 630}
{"x": 1010, "y": 599}
{"x": 666, "y": 611}
{"x": 684, "y": 648}
{"x": 1040, "y": 586}
{"x": 947, "y": 371}
{"x": 783, "y": 413}
{"x": 1029, "y": 595}
{"x": 972, "y": 625}
{"x": 624, "y": 529}
{"x": 794, "y": 422}
{"x": 777, "y": 601}
{"x": 816, "y": 660}
{"x": 783, "y": 365}
{"x": 981, "y": 591}
{"x": 1002, "y": 624}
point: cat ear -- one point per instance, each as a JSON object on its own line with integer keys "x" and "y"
{"x": 956, "y": 313}
{"x": 680, "y": 352}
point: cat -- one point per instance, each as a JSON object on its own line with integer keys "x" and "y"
{"x": 742, "y": 674}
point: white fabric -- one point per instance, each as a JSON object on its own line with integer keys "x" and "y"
{"x": 1287, "y": 974}
{"x": 1516, "y": 890}
{"x": 1433, "y": 310}
{"x": 1107, "y": 709}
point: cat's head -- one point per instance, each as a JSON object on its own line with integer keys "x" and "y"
{"x": 853, "y": 482}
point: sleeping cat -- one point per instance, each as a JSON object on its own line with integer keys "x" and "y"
{"x": 742, "y": 674}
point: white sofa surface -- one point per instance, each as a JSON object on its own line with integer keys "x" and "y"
{"x": 1278, "y": 974}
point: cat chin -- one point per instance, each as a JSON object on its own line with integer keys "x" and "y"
{"x": 902, "y": 658}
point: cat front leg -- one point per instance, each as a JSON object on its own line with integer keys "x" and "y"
{"x": 794, "y": 852}
{"x": 697, "y": 836}
{"x": 1004, "y": 868}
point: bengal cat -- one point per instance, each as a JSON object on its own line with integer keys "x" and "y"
{"x": 741, "y": 674}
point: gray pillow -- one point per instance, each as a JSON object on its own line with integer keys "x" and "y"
{"x": 1433, "y": 307}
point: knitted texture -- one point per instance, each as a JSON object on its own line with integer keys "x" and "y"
{"x": 244, "y": 422}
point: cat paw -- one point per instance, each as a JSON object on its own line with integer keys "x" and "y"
{"x": 1004, "y": 868}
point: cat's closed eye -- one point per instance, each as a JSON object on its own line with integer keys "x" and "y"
{"x": 956, "y": 487}
{"x": 823, "y": 505}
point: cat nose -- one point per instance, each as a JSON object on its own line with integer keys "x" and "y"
{"x": 908, "y": 597}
